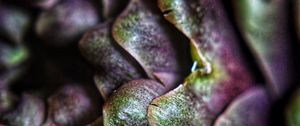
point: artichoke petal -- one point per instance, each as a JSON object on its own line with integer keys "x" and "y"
{"x": 114, "y": 66}
{"x": 65, "y": 22}
{"x": 14, "y": 23}
{"x": 265, "y": 28}
{"x": 127, "y": 106}
{"x": 251, "y": 108}
{"x": 142, "y": 32}
{"x": 29, "y": 112}
{"x": 73, "y": 105}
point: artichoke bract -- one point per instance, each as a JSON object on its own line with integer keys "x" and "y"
{"x": 65, "y": 22}
{"x": 14, "y": 23}
{"x": 222, "y": 73}
{"x": 29, "y": 112}
{"x": 141, "y": 31}
{"x": 264, "y": 26}
{"x": 12, "y": 56}
{"x": 114, "y": 66}
{"x": 246, "y": 111}
{"x": 72, "y": 105}
{"x": 12, "y": 61}
{"x": 127, "y": 106}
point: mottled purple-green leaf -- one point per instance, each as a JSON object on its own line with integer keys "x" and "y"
{"x": 197, "y": 102}
{"x": 128, "y": 105}
{"x": 12, "y": 61}
{"x": 65, "y": 22}
{"x": 14, "y": 23}
{"x": 177, "y": 108}
{"x": 29, "y": 112}
{"x": 292, "y": 110}
{"x": 73, "y": 105}
{"x": 251, "y": 108}
{"x": 215, "y": 48}
{"x": 264, "y": 26}
{"x": 182, "y": 107}
{"x": 12, "y": 55}
{"x": 113, "y": 63}
{"x": 112, "y": 8}
{"x": 142, "y": 32}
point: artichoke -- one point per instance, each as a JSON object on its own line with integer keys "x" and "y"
{"x": 143, "y": 62}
